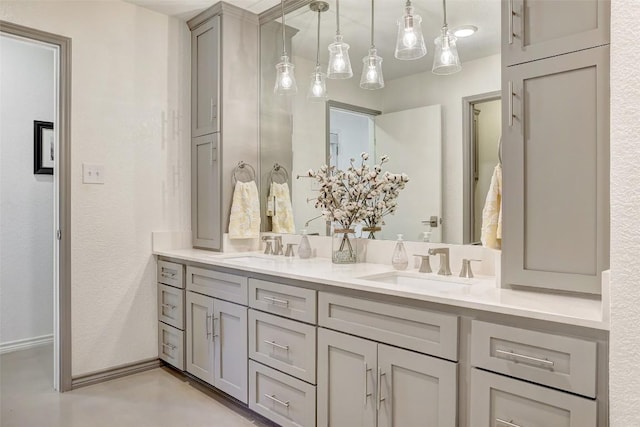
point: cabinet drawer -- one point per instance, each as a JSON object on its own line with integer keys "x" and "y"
{"x": 505, "y": 402}
{"x": 171, "y": 345}
{"x": 557, "y": 361}
{"x": 171, "y": 274}
{"x": 282, "y": 399}
{"x": 416, "y": 329}
{"x": 284, "y": 300}
{"x": 286, "y": 345}
{"x": 171, "y": 305}
{"x": 224, "y": 286}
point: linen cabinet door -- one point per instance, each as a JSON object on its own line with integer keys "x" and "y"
{"x": 231, "y": 358}
{"x": 205, "y": 192}
{"x": 346, "y": 380}
{"x": 415, "y": 390}
{"x": 556, "y": 172}
{"x": 205, "y": 63}
{"x": 200, "y": 336}
{"x": 536, "y": 29}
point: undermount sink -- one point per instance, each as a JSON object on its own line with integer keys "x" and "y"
{"x": 421, "y": 281}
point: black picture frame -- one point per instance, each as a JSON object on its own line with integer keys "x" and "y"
{"x": 43, "y": 134}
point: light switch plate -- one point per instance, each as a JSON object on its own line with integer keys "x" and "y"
{"x": 92, "y": 174}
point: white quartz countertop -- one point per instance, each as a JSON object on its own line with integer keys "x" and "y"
{"x": 480, "y": 293}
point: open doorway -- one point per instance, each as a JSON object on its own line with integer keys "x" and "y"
{"x": 482, "y": 133}
{"x": 35, "y": 199}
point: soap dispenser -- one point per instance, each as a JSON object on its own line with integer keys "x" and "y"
{"x": 399, "y": 259}
{"x": 304, "y": 249}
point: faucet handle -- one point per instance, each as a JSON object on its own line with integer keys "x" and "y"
{"x": 425, "y": 265}
{"x": 466, "y": 268}
{"x": 289, "y": 252}
{"x": 268, "y": 249}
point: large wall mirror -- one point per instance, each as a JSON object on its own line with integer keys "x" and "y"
{"x": 442, "y": 131}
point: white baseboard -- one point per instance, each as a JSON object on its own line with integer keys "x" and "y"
{"x": 23, "y": 344}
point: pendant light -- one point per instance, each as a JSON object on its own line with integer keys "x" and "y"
{"x": 410, "y": 42}
{"x": 285, "y": 78}
{"x": 445, "y": 58}
{"x": 339, "y": 63}
{"x": 372, "y": 64}
{"x": 318, "y": 86}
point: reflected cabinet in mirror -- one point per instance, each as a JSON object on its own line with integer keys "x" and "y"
{"x": 443, "y": 131}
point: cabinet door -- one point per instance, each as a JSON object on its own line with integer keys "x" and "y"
{"x": 205, "y": 192}
{"x": 205, "y": 65}
{"x": 230, "y": 336}
{"x": 536, "y": 29}
{"x": 556, "y": 172}
{"x": 506, "y": 402}
{"x": 415, "y": 390}
{"x": 346, "y": 380}
{"x": 200, "y": 336}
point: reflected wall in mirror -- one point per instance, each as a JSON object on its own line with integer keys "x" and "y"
{"x": 420, "y": 124}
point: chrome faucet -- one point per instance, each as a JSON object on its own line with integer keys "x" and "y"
{"x": 268, "y": 241}
{"x": 444, "y": 269}
{"x": 277, "y": 248}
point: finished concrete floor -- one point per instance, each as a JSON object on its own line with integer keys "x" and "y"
{"x": 155, "y": 398}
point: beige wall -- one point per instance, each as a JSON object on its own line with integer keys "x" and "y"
{"x": 130, "y": 112}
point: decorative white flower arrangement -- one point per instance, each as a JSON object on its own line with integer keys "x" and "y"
{"x": 361, "y": 194}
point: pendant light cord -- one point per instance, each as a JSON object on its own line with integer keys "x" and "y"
{"x": 444, "y": 8}
{"x": 372, "y": 45}
{"x": 284, "y": 45}
{"x": 318, "y": 45}
{"x": 337, "y": 17}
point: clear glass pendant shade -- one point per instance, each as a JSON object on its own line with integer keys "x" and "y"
{"x": 372, "y": 71}
{"x": 318, "y": 87}
{"x": 445, "y": 58}
{"x": 285, "y": 78}
{"x": 410, "y": 41}
{"x": 339, "y": 62}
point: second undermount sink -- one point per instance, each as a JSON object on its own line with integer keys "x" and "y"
{"x": 420, "y": 281}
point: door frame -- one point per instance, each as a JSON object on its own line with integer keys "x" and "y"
{"x": 62, "y": 227}
{"x": 467, "y": 160}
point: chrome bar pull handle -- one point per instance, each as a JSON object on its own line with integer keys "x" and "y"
{"x": 500, "y": 423}
{"x": 510, "y": 103}
{"x": 366, "y": 384}
{"x": 169, "y": 306}
{"x": 275, "y": 344}
{"x": 380, "y": 398}
{"x": 275, "y": 399}
{"x": 215, "y": 319}
{"x": 510, "y": 354}
{"x": 272, "y": 300}
{"x": 206, "y": 323}
{"x": 171, "y": 346}
{"x": 511, "y": 22}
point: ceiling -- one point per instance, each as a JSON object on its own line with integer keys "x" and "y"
{"x": 355, "y": 27}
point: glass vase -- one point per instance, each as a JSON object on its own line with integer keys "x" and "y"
{"x": 343, "y": 246}
{"x": 372, "y": 232}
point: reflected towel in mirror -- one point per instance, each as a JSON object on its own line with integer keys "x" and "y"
{"x": 244, "y": 221}
{"x": 282, "y": 220}
{"x": 492, "y": 212}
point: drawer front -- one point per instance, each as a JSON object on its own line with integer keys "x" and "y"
{"x": 286, "y": 345}
{"x": 281, "y": 398}
{"x": 225, "y": 286}
{"x": 171, "y": 274}
{"x": 557, "y": 361}
{"x": 171, "y": 305}
{"x": 415, "y": 329}
{"x": 171, "y": 345}
{"x": 283, "y": 300}
{"x": 506, "y": 402}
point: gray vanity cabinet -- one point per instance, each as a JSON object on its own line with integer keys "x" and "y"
{"x": 217, "y": 343}
{"x": 556, "y": 172}
{"x": 205, "y": 192}
{"x": 364, "y": 383}
{"x": 205, "y": 71}
{"x": 536, "y": 29}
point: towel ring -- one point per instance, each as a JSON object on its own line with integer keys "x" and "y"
{"x": 278, "y": 174}
{"x": 243, "y": 168}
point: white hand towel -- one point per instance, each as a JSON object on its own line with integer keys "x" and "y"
{"x": 282, "y": 220}
{"x": 492, "y": 212}
{"x": 244, "y": 221}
